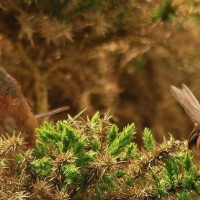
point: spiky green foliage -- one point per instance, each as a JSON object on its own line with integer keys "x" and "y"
{"x": 148, "y": 139}
{"x": 94, "y": 159}
{"x": 165, "y": 11}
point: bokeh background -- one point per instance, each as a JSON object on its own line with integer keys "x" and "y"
{"x": 119, "y": 56}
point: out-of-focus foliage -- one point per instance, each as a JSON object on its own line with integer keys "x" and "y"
{"x": 100, "y": 55}
{"x": 92, "y": 159}
{"x": 164, "y": 12}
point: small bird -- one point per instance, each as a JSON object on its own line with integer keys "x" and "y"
{"x": 192, "y": 107}
{"x": 15, "y": 114}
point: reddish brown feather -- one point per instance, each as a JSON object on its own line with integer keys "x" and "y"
{"x": 16, "y": 116}
{"x": 15, "y": 113}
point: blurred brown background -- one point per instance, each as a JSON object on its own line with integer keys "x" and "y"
{"x": 120, "y": 56}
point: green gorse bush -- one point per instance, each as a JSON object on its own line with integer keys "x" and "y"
{"x": 94, "y": 159}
